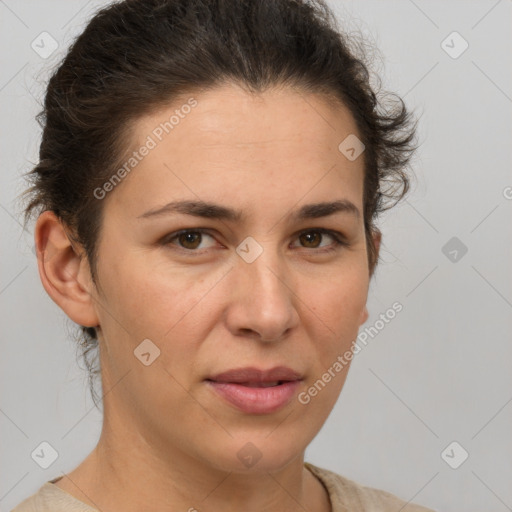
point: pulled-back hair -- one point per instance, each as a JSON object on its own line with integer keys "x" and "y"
{"x": 135, "y": 56}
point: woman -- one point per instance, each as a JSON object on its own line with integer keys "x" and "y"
{"x": 209, "y": 179}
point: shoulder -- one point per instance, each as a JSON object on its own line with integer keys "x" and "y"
{"x": 349, "y": 496}
{"x": 50, "y": 498}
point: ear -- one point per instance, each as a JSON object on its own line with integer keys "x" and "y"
{"x": 64, "y": 272}
{"x": 376, "y": 240}
{"x": 364, "y": 315}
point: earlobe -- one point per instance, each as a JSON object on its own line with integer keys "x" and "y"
{"x": 62, "y": 271}
{"x": 364, "y": 316}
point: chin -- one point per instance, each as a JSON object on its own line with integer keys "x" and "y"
{"x": 257, "y": 454}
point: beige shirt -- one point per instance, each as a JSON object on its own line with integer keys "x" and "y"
{"x": 345, "y": 495}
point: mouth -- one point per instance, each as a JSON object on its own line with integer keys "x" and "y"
{"x": 259, "y": 384}
{"x": 255, "y": 391}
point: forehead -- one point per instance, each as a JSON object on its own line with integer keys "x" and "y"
{"x": 245, "y": 117}
{"x": 226, "y": 142}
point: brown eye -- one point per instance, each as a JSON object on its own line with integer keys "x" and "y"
{"x": 189, "y": 239}
{"x": 312, "y": 239}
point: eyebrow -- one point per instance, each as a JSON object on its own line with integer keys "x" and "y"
{"x": 216, "y": 211}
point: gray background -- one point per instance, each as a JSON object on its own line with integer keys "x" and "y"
{"x": 441, "y": 371}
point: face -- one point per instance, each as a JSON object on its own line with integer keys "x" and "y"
{"x": 260, "y": 280}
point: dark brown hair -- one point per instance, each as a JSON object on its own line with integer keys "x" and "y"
{"x": 135, "y": 56}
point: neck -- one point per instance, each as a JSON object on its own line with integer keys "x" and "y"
{"x": 125, "y": 473}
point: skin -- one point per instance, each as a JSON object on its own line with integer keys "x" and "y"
{"x": 168, "y": 440}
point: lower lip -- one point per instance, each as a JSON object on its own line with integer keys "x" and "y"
{"x": 256, "y": 400}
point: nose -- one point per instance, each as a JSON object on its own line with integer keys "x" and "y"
{"x": 263, "y": 304}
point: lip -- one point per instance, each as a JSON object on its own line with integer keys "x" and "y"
{"x": 255, "y": 375}
{"x": 233, "y": 386}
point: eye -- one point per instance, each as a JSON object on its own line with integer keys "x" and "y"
{"x": 190, "y": 239}
{"x": 312, "y": 238}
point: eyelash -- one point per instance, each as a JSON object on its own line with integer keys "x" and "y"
{"x": 338, "y": 238}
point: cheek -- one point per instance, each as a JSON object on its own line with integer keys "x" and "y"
{"x": 149, "y": 301}
{"x": 147, "y": 304}
{"x": 337, "y": 321}
{"x": 337, "y": 306}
